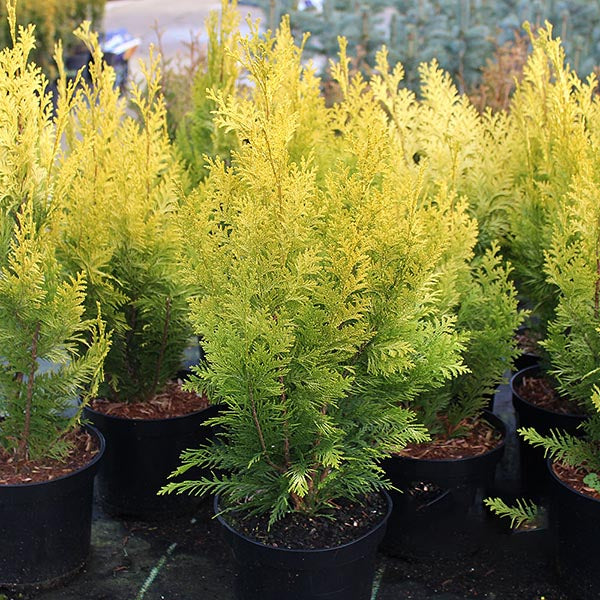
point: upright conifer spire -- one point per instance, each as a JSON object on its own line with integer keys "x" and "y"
{"x": 120, "y": 187}
{"x": 317, "y": 294}
{"x": 41, "y": 308}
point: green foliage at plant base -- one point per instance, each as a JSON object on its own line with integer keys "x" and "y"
{"x": 318, "y": 300}
{"x": 593, "y": 481}
{"x": 120, "y": 187}
{"x": 487, "y": 316}
{"x": 41, "y": 309}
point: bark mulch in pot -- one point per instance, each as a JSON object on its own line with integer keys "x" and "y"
{"x": 540, "y": 392}
{"x": 83, "y": 448}
{"x": 573, "y": 477}
{"x": 528, "y": 341}
{"x": 477, "y": 437}
{"x": 173, "y": 401}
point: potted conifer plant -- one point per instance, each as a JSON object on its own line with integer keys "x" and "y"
{"x": 552, "y": 148}
{"x": 120, "y": 188}
{"x": 51, "y": 355}
{"x": 443, "y": 480}
{"x": 312, "y": 333}
{"x": 573, "y": 345}
{"x": 475, "y": 291}
{"x": 47, "y": 462}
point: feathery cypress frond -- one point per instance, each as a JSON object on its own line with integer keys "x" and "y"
{"x": 523, "y": 512}
{"x": 120, "y": 188}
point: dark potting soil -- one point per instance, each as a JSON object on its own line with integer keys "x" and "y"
{"x": 173, "y": 401}
{"x": 573, "y": 477}
{"x": 477, "y": 438}
{"x": 347, "y": 521}
{"x": 540, "y": 392}
{"x": 498, "y": 572}
{"x": 82, "y": 449}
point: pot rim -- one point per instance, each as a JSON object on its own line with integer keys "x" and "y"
{"x": 549, "y": 463}
{"x": 95, "y": 459}
{"x": 181, "y": 374}
{"x": 500, "y": 426}
{"x": 514, "y": 392}
{"x": 310, "y": 551}
{"x": 139, "y": 420}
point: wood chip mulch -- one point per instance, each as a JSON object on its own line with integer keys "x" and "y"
{"x": 573, "y": 477}
{"x": 540, "y": 392}
{"x": 479, "y": 438}
{"x": 527, "y": 341}
{"x": 173, "y": 401}
{"x": 83, "y": 449}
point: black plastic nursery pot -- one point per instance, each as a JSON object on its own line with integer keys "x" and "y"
{"x": 575, "y": 521}
{"x": 438, "y": 509}
{"x": 46, "y": 527}
{"x": 140, "y": 455}
{"x": 534, "y": 478}
{"x": 343, "y": 572}
{"x": 527, "y": 358}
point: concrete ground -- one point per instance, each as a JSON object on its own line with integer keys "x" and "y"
{"x": 186, "y": 559}
{"x": 176, "y": 20}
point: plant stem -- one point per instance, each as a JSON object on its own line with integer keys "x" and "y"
{"x": 23, "y": 450}
{"x": 286, "y": 427}
{"x": 274, "y": 169}
{"x": 261, "y": 437}
{"x": 597, "y": 290}
{"x": 129, "y": 341}
{"x": 163, "y": 345}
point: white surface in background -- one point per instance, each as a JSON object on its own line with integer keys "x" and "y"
{"x": 177, "y": 20}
